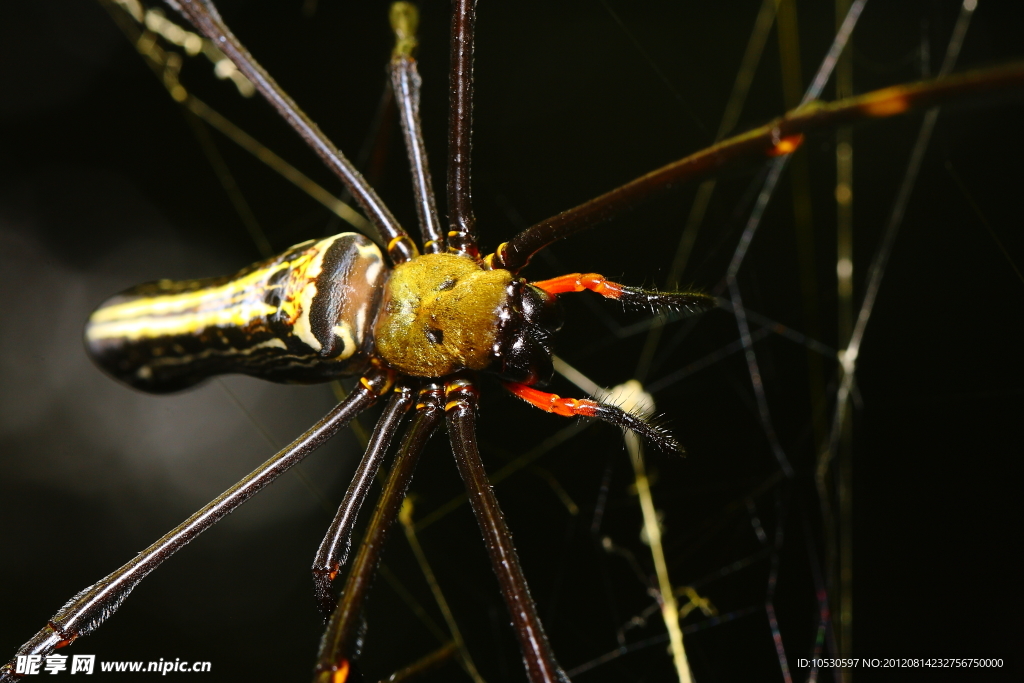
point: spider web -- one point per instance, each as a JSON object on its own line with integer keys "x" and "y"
{"x": 105, "y": 187}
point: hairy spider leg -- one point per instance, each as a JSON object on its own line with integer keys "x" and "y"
{"x": 585, "y": 407}
{"x": 205, "y": 17}
{"x": 461, "y": 399}
{"x": 778, "y": 137}
{"x": 337, "y": 646}
{"x": 461, "y": 220}
{"x": 87, "y": 610}
{"x": 406, "y": 84}
{"x": 334, "y": 549}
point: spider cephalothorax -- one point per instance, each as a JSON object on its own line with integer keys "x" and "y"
{"x": 443, "y": 312}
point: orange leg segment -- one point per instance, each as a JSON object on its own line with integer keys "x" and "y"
{"x": 553, "y": 403}
{"x": 577, "y": 282}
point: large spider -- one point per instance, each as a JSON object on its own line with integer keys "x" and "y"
{"x": 416, "y": 335}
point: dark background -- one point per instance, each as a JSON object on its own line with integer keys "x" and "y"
{"x": 103, "y": 185}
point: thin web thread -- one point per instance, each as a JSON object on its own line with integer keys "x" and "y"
{"x": 769, "y": 601}
{"x": 848, "y": 357}
{"x": 770, "y": 183}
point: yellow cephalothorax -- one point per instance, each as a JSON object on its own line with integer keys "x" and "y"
{"x": 440, "y": 313}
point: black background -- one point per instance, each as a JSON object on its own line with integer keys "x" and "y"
{"x": 104, "y": 186}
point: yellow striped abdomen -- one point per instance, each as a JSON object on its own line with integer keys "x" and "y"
{"x": 304, "y": 316}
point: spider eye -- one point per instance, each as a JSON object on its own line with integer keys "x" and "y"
{"x": 447, "y": 284}
{"x": 435, "y": 336}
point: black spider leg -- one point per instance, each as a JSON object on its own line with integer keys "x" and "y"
{"x": 339, "y": 643}
{"x": 751, "y": 146}
{"x": 406, "y": 84}
{"x": 334, "y": 549}
{"x": 461, "y": 406}
{"x": 205, "y": 17}
{"x": 87, "y": 610}
{"x": 461, "y": 221}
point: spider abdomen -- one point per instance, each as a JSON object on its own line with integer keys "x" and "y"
{"x": 303, "y": 316}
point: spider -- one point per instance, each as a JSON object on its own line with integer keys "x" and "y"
{"x": 684, "y": 431}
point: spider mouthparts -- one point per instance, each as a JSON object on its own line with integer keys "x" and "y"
{"x": 585, "y": 407}
{"x": 634, "y": 297}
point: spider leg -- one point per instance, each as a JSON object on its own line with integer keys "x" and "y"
{"x": 405, "y": 84}
{"x": 780, "y": 136}
{"x": 334, "y": 549}
{"x": 690, "y": 302}
{"x": 205, "y": 17}
{"x": 460, "y": 406}
{"x": 338, "y": 642}
{"x": 462, "y": 222}
{"x": 585, "y": 407}
{"x": 84, "y": 612}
